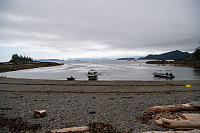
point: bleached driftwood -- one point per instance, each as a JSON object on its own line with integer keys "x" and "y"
{"x": 72, "y": 129}
{"x": 192, "y": 117}
{"x": 190, "y": 131}
{"x": 178, "y": 124}
{"x": 195, "y": 105}
{"x": 39, "y": 113}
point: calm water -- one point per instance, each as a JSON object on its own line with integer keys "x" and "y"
{"x": 108, "y": 70}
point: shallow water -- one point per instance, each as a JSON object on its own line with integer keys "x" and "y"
{"x": 108, "y": 70}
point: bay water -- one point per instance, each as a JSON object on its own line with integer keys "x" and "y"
{"x": 107, "y": 70}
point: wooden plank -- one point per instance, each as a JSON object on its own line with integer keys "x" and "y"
{"x": 72, "y": 129}
{"x": 192, "y": 117}
{"x": 178, "y": 124}
{"x": 191, "y": 131}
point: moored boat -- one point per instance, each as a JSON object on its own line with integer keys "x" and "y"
{"x": 164, "y": 75}
{"x": 92, "y": 74}
{"x": 71, "y": 78}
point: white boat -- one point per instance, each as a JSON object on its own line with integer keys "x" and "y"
{"x": 92, "y": 74}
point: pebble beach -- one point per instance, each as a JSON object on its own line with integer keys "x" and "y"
{"x": 77, "y": 103}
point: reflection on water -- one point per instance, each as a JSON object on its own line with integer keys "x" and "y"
{"x": 108, "y": 70}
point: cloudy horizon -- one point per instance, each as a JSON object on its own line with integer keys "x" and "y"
{"x": 97, "y": 28}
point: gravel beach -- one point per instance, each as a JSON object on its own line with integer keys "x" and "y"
{"x": 77, "y": 103}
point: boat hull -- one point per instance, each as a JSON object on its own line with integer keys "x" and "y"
{"x": 70, "y": 79}
{"x": 92, "y": 77}
{"x": 162, "y": 75}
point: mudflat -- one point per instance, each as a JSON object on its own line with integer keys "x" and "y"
{"x": 77, "y": 103}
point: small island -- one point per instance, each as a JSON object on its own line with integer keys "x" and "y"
{"x": 128, "y": 59}
{"x": 21, "y": 62}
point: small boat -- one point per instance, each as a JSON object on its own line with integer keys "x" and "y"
{"x": 164, "y": 75}
{"x": 71, "y": 78}
{"x": 92, "y": 74}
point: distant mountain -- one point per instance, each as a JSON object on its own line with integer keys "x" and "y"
{"x": 48, "y": 60}
{"x": 173, "y": 55}
{"x": 125, "y": 59}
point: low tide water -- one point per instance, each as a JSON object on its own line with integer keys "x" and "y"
{"x": 107, "y": 70}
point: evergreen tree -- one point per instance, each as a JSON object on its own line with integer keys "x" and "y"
{"x": 197, "y": 54}
{"x": 16, "y": 59}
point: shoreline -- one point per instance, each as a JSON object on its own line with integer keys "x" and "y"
{"x": 8, "y": 67}
{"x": 26, "y": 81}
{"x": 97, "y": 87}
{"x": 78, "y": 103}
{"x": 195, "y": 64}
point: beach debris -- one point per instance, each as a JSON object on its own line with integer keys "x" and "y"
{"x": 191, "y": 117}
{"x": 17, "y": 124}
{"x": 172, "y": 84}
{"x": 70, "y": 124}
{"x": 71, "y": 129}
{"x": 92, "y": 112}
{"x": 187, "y": 85}
{"x": 100, "y": 127}
{"x": 190, "y": 131}
{"x": 94, "y": 127}
{"x": 147, "y": 117}
{"x": 188, "y": 121}
{"x": 39, "y": 113}
{"x": 194, "y": 105}
{"x": 178, "y": 124}
{"x": 167, "y": 111}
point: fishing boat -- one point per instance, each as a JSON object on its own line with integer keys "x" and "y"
{"x": 71, "y": 78}
{"x": 168, "y": 75}
{"x": 92, "y": 74}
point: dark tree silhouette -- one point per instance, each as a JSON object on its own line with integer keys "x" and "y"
{"x": 16, "y": 59}
{"x": 197, "y": 54}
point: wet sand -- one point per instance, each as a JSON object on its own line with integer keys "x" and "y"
{"x": 81, "y": 102}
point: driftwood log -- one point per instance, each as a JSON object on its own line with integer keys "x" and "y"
{"x": 195, "y": 105}
{"x": 191, "y": 117}
{"x": 178, "y": 124}
{"x": 191, "y": 131}
{"x": 39, "y": 113}
{"x": 72, "y": 129}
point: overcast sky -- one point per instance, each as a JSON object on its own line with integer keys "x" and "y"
{"x": 97, "y": 28}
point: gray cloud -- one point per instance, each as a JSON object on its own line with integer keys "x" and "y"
{"x": 101, "y": 26}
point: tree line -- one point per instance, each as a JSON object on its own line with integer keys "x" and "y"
{"x": 196, "y": 55}
{"x": 16, "y": 59}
